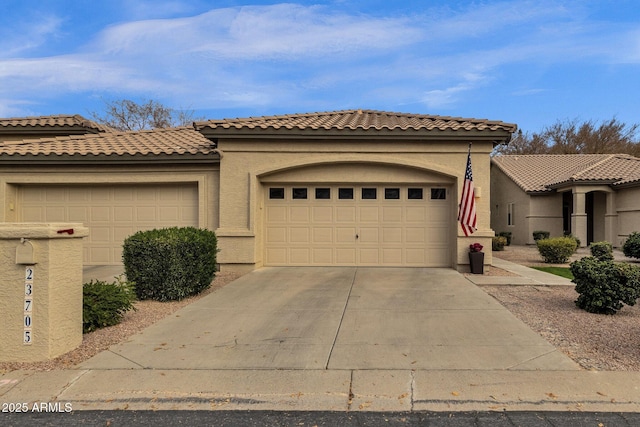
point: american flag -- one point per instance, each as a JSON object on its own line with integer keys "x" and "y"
{"x": 467, "y": 214}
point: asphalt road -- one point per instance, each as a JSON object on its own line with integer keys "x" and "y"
{"x": 309, "y": 419}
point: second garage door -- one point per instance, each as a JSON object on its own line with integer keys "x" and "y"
{"x": 367, "y": 225}
{"x": 112, "y": 212}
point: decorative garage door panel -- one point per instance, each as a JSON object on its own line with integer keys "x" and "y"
{"x": 364, "y": 225}
{"x": 112, "y": 212}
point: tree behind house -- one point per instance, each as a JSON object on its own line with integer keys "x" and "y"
{"x": 572, "y": 137}
{"x": 127, "y": 115}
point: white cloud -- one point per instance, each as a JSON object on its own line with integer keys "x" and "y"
{"x": 287, "y": 54}
{"x": 447, "y": 97}
{"x": 26, "y": 36}
{"x": 284, "y": 32}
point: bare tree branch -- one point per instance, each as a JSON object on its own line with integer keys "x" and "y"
{"x": 127, "y": 115}
{"x": 573, "y": 137}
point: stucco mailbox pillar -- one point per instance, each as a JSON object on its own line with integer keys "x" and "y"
{"x": 40, "y": 290}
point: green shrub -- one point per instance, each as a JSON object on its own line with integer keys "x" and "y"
{"x": 104, "y": 304}
{"x": 498, "y": 242}
{"x": 540, "y": 235}
{"x": 603, "y": 251}
{"x": 605, "y": 286}
{"x": 631, "y": 246}
{"x": 571, "y": 236}
{"x": 171, "y": 263}
{"x": 556, "y": 250}
{"x": 506, "y": 235}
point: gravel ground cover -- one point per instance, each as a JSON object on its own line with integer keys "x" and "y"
{"x": 595, "y": 341}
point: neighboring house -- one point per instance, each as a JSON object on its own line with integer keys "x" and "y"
{"x": 595, "y": 197}
{"x": 16, "y": 129}
{"x": 349, "y": 188}
{"x": 114, "y": 183}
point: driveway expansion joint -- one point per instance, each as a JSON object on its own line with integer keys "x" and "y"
{"x": 344, "y": 311}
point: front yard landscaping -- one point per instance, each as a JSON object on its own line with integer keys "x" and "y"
{"x": 558, "y": 271}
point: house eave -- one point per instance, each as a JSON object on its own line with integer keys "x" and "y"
{"x": 573, "y": 183}
{"x": 496, "y": 137}
{"x": 67, "y": 159}
{"x": 540, "y": 192}
{"x": 627, "y": 185}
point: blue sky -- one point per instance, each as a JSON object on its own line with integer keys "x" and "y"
{"x": 525, "y": 62}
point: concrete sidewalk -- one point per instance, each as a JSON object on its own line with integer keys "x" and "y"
{"x": 344, "y": 339}
{"x": 526, "y": 276}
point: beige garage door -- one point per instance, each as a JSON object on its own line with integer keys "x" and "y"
{"x": 367, "y": 225}
{"x": 112, "y": 212}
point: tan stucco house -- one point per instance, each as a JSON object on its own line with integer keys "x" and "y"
{"x": 595, "y": 197}
{"x": 353, "y": 187}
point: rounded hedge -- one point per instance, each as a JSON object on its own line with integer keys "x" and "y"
{"x": 631, "y": 246}
{"x": 556, "y": 250}
{"x": 171, "y": 263}
{"x": 498, "y": 243}
{"x": 603, "y": 251}
{"x": 506, "y": 235}
{"x": 540, "y": 235}
{"x": 605, "y": 286}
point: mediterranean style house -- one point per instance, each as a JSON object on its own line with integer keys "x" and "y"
{"x": 343, "y": 188}
{"x": 595, "y": 197}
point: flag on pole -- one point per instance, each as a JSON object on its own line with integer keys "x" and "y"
{"x": 467, "y": 214}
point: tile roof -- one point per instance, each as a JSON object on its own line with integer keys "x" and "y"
{"x": 357, "y": 120}
{"x": 540, "y": 173}
{"x": 55, "y": 121}
{"x": 183, "y": 140}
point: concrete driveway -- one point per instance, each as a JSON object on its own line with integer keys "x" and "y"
{"x": 340, "y": 318}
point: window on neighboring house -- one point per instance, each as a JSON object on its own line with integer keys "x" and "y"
{"x": 510, "y": 219}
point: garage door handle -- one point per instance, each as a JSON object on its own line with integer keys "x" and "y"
{"x": 357, "y": 236}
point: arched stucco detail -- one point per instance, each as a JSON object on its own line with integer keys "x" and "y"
{"x": 351, "y": 170}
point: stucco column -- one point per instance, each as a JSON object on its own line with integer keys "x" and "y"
{"x": 579, "y": 216}
{"x": 611, "y": 220}
{"x": 41, "y": 290}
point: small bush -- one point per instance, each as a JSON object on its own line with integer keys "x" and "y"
{"x": 171, "y": 263}
{"x": 104, "y": 304}
{"x": 631, "y": 246}
{"x": 540, "y": 235}
{"x": 506, "y": 235}
{"x": 556, "y": 250}
{"x": 571, "y": 236}
{"x": 498, "y": 242}
{"x": 605, "y": 286}
{"x": 603, "y": 251}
